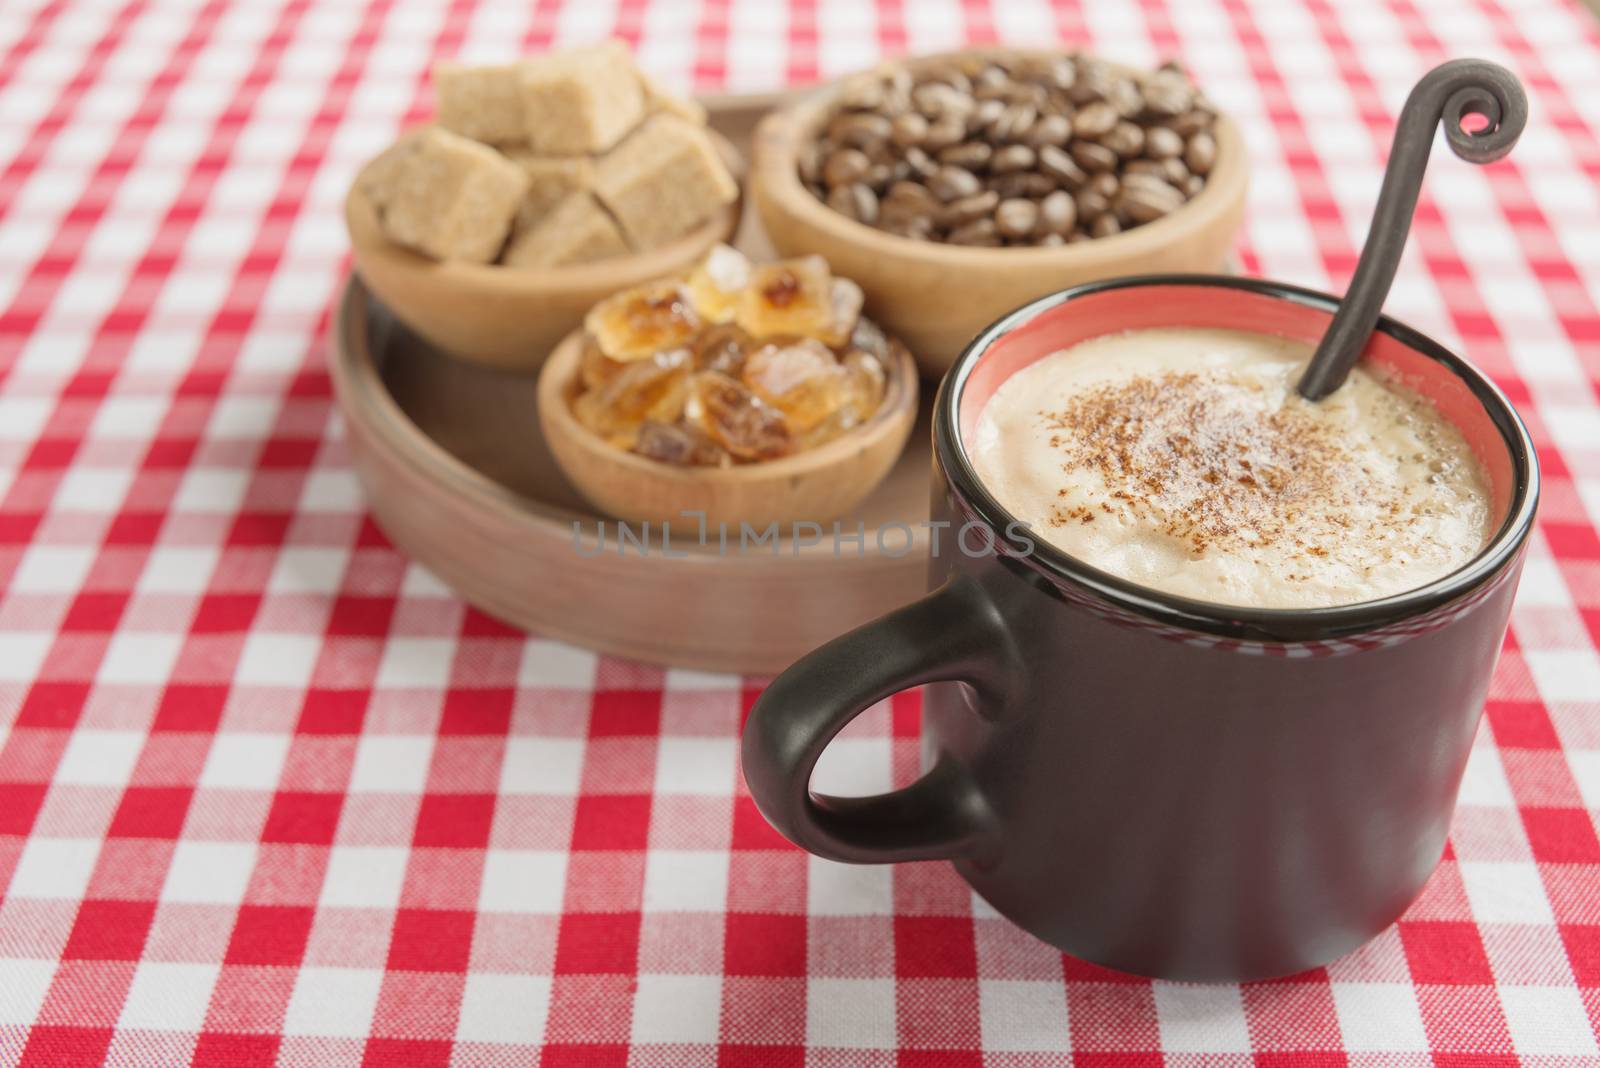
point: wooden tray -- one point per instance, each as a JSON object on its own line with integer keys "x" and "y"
{"x": 458, "y": 475}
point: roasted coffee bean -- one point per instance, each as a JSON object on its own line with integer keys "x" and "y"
{"x": 863, "y": 93}
{"x": 1062, "y": 167}
{"x": 879, "y": 175}
{"x": 1055, "y": 72}
{"x": 953, "y": 183}
{"x": 918, "y": 228}
{"x": 896, "y": 102}
{"x": 1056, "y": 102}
{"x": 881, "y": 151}
{"x": 1145, "y": 198}
{"x": 1125, "y": 139}
{"x": 1016, "y": 218}
{"x": 1053, "y": 130}
{"x": 908, "y": 130}
{"x": 1092, "y": 156}
{"x": 1094, "y": 121}
{"x": 856, "y": 201}
{"x": 1142, "y": 181}
{"x": 1174, "y": 171}
{"x": 1106, "y": 184}
{"x": 1034, "y": 96}
{"x": 1012, "y": 159}
{"x": 977, "y": 232}
{"x": 1168, "y": 94}
{"x": 1058, "y": 213}
{"x": 960, "y": 212}
{"x": 1015, "y": 122}
{"x": 985, "y": 115}
{"x": 1031, "y": 68}
{"x": 1125, "y": 98}
{"x": 1105, "y": 226}
{"x": 919, "y": 163}
{"x": 953, "y": 76}
{"x": 1156, "y": 167}
{"x": 945, "y": 71}
{"x": 969, "y": 155}
{"x": 913, "y": 195}
{"x": 1050, "y": 240}
{"x": 845, "y": 166}
{"x": 895, "y": 213}
{"x": 1193, "y": 184}
{"x": 990, "y": 76}
{"x": 927, "y": 99}
{"x": 938, "y": 101}
{"x": 943, "y": 133}
{"x": 1189, "y": 123}
{"x": 1003, "y": 62}
{"x": 859, "y": 128}
{"x": 1161, "y": 143}
{"x": 1091, "y": 205}
{"x": 1021, "y": 184}
{"x": 1201, "y": 154}
{"x": 1093, "y": 82}
{"x": 970, "y": 64}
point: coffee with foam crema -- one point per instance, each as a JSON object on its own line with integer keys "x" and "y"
{"x": 1184, "y": 460}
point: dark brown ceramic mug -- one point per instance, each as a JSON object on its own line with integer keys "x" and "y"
{"x": 1160, "y": 785}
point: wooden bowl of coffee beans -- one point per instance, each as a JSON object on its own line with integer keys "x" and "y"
{"x": 956, "y": 187}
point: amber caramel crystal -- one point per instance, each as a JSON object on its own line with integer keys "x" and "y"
{"x": 652, "y": 388}
{"x": 846, "y": 299}
{"x": 674, "y": 443}
{"x": 731, "y": 363}
{"x": 716, "y": 283}
{"x": 596, "y": 368}
{"x": 638, "y": 322}
{"x": 777, "y": 369}
{"x": 790, "y": 298}
{"x": 722, "y": 348}
{"x": 729, "y": 413}
{"x": 872, "y": 380}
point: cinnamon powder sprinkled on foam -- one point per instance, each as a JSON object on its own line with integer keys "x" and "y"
{"x": 1198, "y": 460}
{"x": 1183, "y": 460}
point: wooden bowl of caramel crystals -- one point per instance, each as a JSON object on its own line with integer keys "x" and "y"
{"x": 957, "y": 187}
{"x": 745, "y": 393}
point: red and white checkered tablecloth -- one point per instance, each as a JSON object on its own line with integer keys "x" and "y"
{"x": 270, "y": 795}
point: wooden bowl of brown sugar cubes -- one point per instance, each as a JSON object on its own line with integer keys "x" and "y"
{"x": 957, "y": 187}
{"x": 731, "y": 394}
{"x": 541, "y": 187}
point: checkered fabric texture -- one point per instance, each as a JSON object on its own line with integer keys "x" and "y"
{"x": 270, "y": 795}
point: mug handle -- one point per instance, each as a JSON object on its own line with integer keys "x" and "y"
{"x": 952, "y": 634}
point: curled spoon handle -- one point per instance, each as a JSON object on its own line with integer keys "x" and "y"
{"x": 1447, "y": 93}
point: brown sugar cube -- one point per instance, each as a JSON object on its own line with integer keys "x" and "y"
{"x": 580, "y": 101}
{"x": 577, "y": 230}
{"x": 454, "y": 199}
{"x": 663, "y": 180}
{"x": 377, "y": 179}
{"x": 550, "y": 180}
{"x": 483, "y": 103}
{"x": 659, "y": 98}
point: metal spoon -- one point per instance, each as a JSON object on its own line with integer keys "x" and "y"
{"x": 1449, "y": 92}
